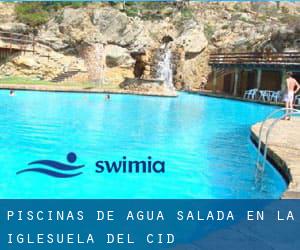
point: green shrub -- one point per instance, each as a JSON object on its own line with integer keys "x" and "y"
{"x": 148, "y": 10}
{"x": 238, "y": 7}
{"x": 54, "y": 6}
{"x": 208, "y": 31}
{"x": 132, "y": 12}
{"x": 32, "y": 14}
{"x": 187, "y": 13}
{"x": 284, "y": 10}
{"x": 38, "y": 13}
{"x": 225, "y": 27}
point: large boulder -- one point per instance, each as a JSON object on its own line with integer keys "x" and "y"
{"x": 118, "y": 56}
{"x": 194, "y": 69}
{"x": 52, "y": 39}
{"x": 136, "y": 36}
{"x": 43, "y": 64}
{"x": 111, "y": 23}
{"x": 25, "y": 61}
{"x": 192, "y": 37}
{"x": 286, "y": 37}
{"x": 74, "y": 18}
{"x": 76, "y": 26}
{"x": 14, "y": 27}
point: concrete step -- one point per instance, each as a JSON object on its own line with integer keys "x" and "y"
{"x": 65, "y": 75}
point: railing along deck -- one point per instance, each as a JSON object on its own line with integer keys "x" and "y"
{"x": 16, "y": 41}
{"x": 270, "y": 58}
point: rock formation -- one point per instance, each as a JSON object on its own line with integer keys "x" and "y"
{"x": 131, "y": 41}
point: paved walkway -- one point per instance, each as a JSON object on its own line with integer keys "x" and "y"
{"x": 284, "y": 151}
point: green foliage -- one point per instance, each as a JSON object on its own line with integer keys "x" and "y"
{"x": 237, "y": 7}
{"x": 208, "y": 31}
{"x": 240, "y": 8}
{"x": 21, "y": 80}
{"x": 246, "y": 20}
{"x": 32, "y": 14}
{"x": 132, "y": 12}
{"x": 54, "y": 6}
{"x": 284, "y": 10}
{"x": 225, "y": 27}
{"x": 263, "y": 18}
{"x": 38, "y": 13}
{"x": 148, "y": 10}
{"x": 187, "y": 13}
{"x": 37, "y": 82}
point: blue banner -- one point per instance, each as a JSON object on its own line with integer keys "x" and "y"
{"x": 149, "y": 224}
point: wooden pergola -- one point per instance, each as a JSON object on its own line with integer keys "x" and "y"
{"x": 256, "y": 61}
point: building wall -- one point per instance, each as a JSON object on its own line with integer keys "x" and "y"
{"x": 297, "y": 76}
{"x": 228, "y": 82}
{"x": 220, "y": 84}
{"x": 270, "y": 80}
{"x": 243, "y": 85}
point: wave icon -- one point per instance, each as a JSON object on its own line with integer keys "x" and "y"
{"x": 57, "y": 169}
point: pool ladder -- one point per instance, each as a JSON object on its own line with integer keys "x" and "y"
{"x": 260, "y": 163}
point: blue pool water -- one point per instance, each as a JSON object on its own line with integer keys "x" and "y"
{"x": 204, "y": 142}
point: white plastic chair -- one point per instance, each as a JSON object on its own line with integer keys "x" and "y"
{"x": 263, "y": 95}
{"x": 253, "y": 94}
{"x": 275, "y": 96}
{"x": 246, "y": 94}
{"x": 250, "y": 94}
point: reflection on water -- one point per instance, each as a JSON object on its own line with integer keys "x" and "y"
{"x": 204, "y": 142}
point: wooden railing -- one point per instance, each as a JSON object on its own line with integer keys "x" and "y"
{"x": 16, "y": 41}
{"x": 255, "y": 58}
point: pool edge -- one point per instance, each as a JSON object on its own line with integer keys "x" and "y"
{"x": 281, "y": 164}
{"x": 61, "y": 89}
{"x": 233, "y": 98}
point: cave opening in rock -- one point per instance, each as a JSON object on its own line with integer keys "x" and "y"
{"x": 167, "y": 39}
{"x": 140, "y": 64}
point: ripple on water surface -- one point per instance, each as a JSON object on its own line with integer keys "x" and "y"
{"x": 203, "y": 141}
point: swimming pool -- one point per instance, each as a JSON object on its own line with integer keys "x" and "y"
{"x": 204, "y": 142}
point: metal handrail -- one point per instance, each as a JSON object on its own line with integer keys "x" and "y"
{"x": 25, "y": 41}
{"x": 16, "y": 41}
{"x": 292, "y": 112}
{"x": 14, "y": 33}
{"x": 269, "y": 131}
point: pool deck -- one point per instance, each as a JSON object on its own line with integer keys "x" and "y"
{"x": 283, "y": 151}
{"x": 80, "y": 89}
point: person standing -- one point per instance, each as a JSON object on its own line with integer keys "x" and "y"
{"x": 292, "y": 88}
{"x": 203, "y": 83}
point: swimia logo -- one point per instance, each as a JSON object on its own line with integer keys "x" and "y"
{"x": 61, "y": 170}
{"x": 55, "y": 168}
